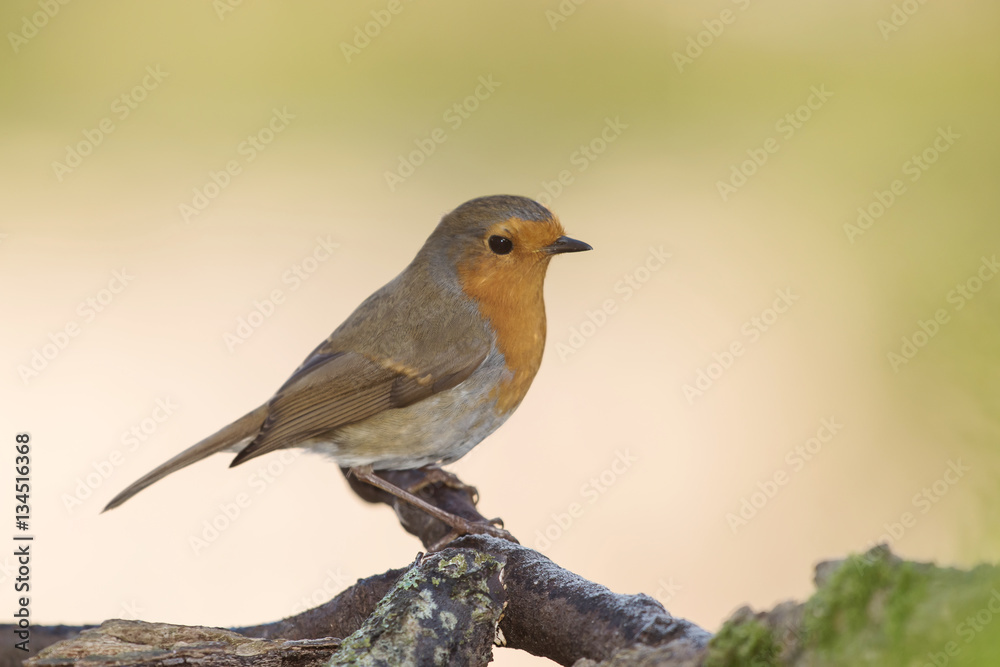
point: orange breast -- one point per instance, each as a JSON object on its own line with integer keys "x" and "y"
{"x": 513, "y": 303}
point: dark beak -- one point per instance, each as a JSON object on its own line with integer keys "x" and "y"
{"x": 565, "y": 244}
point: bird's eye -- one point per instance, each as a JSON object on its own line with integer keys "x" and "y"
{"x": 501, "y": 245}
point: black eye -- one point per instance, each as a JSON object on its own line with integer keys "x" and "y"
{"x": 501, "y": 245}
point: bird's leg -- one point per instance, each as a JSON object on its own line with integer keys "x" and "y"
{"x": 433, "y": 475}
{"x": 459, "y": 525}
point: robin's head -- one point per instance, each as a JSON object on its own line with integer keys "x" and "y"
{"x": 501, "y": 244}
{"x": 496, "y": 249}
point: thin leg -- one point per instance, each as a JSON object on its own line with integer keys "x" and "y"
{"x": 459, "y": 525}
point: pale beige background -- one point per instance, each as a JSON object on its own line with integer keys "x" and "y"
{"x": 661, "y": 527}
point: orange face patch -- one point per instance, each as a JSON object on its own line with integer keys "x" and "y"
{"x": 508, "y": 290}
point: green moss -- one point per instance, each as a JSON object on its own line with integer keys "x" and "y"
{"x": 874, "y": 610}
{"x": 742, "y": 643}
{"x": 865, "y": 589}
{"x": 877, "y": 610}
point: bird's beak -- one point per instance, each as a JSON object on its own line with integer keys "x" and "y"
{"x": 565, "y": 244}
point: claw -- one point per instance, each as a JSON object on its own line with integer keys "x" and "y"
{"x": 472, "y": 528}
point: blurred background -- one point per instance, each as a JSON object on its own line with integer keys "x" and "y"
{"x": 783, "y": 348}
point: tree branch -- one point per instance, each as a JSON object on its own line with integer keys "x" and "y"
{"x": 340, "y": 617}
{"x": 548, "y": 606}
{"x": 450, "y": 605}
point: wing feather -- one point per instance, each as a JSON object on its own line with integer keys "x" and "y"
{"x": 333, "y": 389}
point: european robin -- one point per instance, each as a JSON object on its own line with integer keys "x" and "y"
{"x": 426, "y": 367}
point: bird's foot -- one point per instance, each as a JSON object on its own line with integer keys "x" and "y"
{"x": 436, "y": 475}
{"x": 494, "y": 528}
{"x": 459, "y": 525}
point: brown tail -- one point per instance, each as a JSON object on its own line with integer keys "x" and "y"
{"x": 232, "y": 436}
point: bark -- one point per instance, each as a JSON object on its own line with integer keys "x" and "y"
{"x": 117, "y": 643}
{"x": 339, "y": 617}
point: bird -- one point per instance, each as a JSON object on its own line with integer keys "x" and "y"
{"x": 425, "y": 368}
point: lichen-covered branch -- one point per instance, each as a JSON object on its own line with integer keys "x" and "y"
{"x": 443, "y": 611}
{"x": 546, "y": 607}
{"x": 453, "y": 612}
